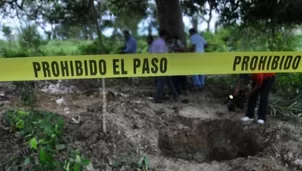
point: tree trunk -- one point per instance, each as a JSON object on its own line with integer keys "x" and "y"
{"x": 170, "y": 18}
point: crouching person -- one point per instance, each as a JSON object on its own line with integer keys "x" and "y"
{"x": 261, "y": 86}
{"x": 159, "y": 46}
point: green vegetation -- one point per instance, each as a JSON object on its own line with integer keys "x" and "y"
{"x": 76, "y": 29}
{"x": 235, "y": 38}
{"x": 43, "y": 133}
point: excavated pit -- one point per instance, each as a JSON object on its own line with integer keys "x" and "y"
{"x": 211, "y": 140}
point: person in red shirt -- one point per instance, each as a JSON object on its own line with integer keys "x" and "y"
{"x": 262, "y": 84}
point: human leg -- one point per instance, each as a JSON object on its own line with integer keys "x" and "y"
{"x": 172, "y": 88}
{"x": 160, "y": 84}
{"x": 252, "y": 101}
{"x": 176, "y": 83}
{"x": 183, "y": 83}
{"x": 264, "y": 95}
{"x": 201, "y": 77}
{"x": 196, "y": 81}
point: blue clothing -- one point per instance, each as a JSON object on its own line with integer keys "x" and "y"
{"x": 131, "y": 45}
{"x": 198, "y": 81}
{"x": 199, "y": 42}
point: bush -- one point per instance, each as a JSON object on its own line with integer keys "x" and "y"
{"x": 12, "y": 53}
{"x": 43, "y": 133}
{"x": 90, "y": 49}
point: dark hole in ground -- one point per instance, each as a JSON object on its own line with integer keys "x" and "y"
{"x": 205, "y": 141}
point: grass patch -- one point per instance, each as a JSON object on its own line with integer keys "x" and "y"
{"x": 42, "y": 132}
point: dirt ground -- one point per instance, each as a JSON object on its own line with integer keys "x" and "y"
{"x": 200, "y": 135}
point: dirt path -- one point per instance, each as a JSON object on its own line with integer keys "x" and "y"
{"x": 201, "y": 135}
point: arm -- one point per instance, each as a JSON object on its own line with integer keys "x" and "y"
{"x": 258, "y": 78}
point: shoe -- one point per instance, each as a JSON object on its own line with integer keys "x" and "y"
{"x": 246, "y": 119}
{"x": 260, "y": 121}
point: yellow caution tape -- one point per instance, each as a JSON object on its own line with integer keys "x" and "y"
{"x": 143, "y": 65}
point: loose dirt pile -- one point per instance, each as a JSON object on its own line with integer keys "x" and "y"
{"x": 201, "y": 135}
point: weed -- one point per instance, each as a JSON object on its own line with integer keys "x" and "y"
{"x": 42, "y": 132}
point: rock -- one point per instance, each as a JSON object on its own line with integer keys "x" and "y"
{"x": 90, "y": 167}
{"x": 109, "y": 161}
{"x": 60, "y": 101}
{"x": 138, "y": 124}
{"x": 66, "y": 110}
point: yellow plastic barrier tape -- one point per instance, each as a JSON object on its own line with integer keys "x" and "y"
{"x": 143, "y": 65}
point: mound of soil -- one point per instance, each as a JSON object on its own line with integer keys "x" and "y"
{"x": 201, "y": 135}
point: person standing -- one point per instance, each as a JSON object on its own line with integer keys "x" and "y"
{"x": 198, "y": 44}
{"x": 130, "y": 43}
{"x": 130, "y": 48}
{"x": 261, "y": 85}
{"x": 159, "y": 46}
{"x": 176, "y": 46}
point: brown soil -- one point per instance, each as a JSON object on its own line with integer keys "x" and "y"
{"x": 199, "y": 136}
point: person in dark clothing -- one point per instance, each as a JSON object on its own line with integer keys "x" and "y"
{"x": 159, "y": 46}
{"x": 175, "y": 46}
{"x": 261, "y": 86}
{"x": 242, "y": 83}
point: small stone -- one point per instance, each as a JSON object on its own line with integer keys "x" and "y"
{"x": 109, "y": 161}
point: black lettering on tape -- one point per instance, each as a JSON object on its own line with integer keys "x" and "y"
{"x": 71, "y": 68}
{"x": 253, "y": 64}
{"x": 115, "y": 67}
{"x": 237, "y": 61}
{"x": 163, "y": 65}
{"x": 102, "y": 67}
{"x": 124, "y": 71}
{"x": 136, "y": 65}
{"x": 281, "y": 63}
{"x": 275, "y": 62}
{"x": 288, "y": 62}
{"x": 296, "y": 62}
{"x": 86, "y": 67}
{"x": 46, "y": 70}
{"x": 64, "y": 68}
{"x": 79, "y": 68}
{"x": 261, "y": 64}
{"x": 146, "y": 68}
{"x": 245, "y": 63}
{"x": 154, "y": 63}
{"x": 92, "y": 67}
{"x": 55, "y": 69}
{"x": 37, "y": 68}
{"x": 269, "y": 62}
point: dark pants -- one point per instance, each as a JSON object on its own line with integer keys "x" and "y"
{"x": 160, "y": 85}
{"x": 264, "y": 93}
{"x": 180, "y": 83}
